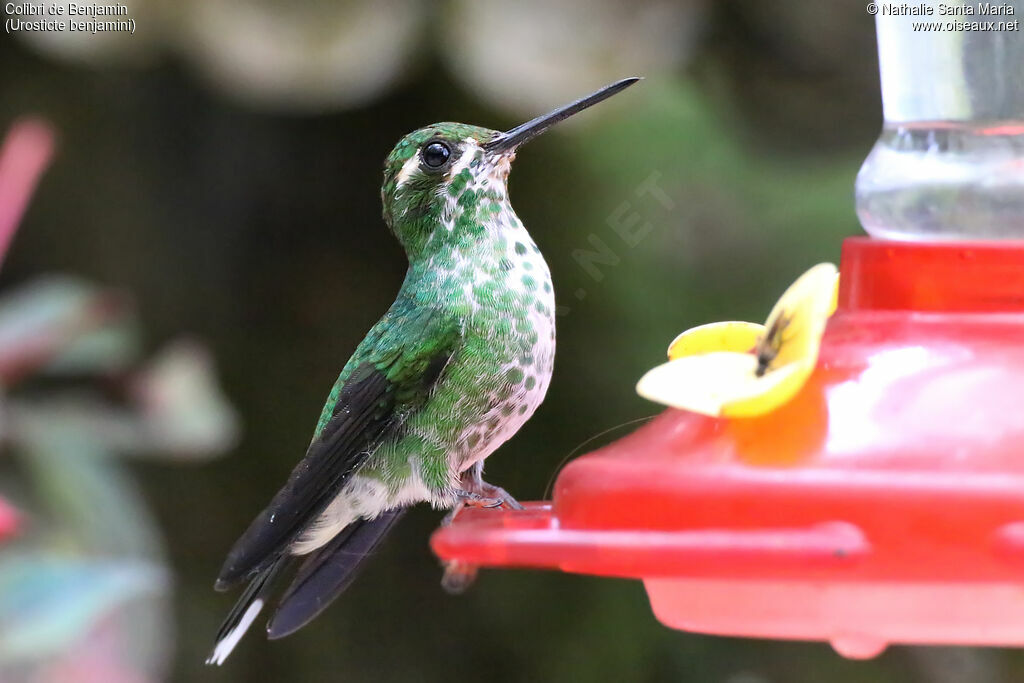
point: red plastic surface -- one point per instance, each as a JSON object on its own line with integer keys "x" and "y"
{"x": 885, "y": 503}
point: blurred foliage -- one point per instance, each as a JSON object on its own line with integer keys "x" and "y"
{"x": 84, "y": 592}
{"x": 260, "y": 231}
{"x": 313, "y": 55}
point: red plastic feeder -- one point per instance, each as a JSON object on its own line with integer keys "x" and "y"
{"x": 885, "y": 503}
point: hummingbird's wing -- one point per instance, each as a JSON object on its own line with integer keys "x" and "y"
{"x": 395, "y": 369}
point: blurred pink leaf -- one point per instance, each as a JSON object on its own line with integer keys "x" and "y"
{"x": 9, "y": 520}
{"x": 25, "y": 154}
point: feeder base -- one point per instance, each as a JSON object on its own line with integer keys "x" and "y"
{"x": 858, "y": 619}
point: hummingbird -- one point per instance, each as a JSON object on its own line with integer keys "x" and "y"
{"x": 452, "y": 370}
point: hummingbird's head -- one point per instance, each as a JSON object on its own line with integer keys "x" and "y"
{"x": 448, "y": 181}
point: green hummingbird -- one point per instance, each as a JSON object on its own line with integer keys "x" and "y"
{"x": 454, "y": 368}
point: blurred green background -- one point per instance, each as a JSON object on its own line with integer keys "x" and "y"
{"x": 223, "y": 164}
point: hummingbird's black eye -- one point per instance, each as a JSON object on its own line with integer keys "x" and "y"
{"x": 436, "y": 154}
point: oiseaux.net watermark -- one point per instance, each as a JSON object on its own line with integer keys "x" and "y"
{"x": 627, "y": 227}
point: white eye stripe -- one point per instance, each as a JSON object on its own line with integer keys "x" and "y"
{"x": 410, "y": 167}
{"x": 469, "y": 150}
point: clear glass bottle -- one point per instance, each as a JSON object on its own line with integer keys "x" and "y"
{"x": 949, "y": 164}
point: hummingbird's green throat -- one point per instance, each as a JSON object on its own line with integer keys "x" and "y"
{"x": 453, "y": 369}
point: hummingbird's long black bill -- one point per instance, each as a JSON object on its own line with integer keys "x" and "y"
{"x": 511, "y": 139}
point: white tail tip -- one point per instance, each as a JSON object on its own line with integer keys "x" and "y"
{"x": 226, "y": 644}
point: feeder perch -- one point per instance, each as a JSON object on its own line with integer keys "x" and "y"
{"x": 885, "y": 502}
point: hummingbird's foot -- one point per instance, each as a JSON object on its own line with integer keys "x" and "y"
{"x": 477, "y": 500}
{"x": 476, "y": 492}
{"x": 470, "y": 499}
{"x": 496, "y": 493}
{"x": 458, "y": 576}
{"x": 473, "y": 483}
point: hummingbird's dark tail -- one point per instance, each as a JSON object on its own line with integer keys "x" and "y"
{"x": 328, "y": 571}
{"x": 244, "y": 612}
{"x": 324, "y": 575}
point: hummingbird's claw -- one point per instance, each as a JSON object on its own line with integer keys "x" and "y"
{"x": 477, "y": 500}
{"x": 458, "y": 576}
{"x": 504, "y": 497}
{"x": 491, "y": 497}
{"x": 474, "y": 485}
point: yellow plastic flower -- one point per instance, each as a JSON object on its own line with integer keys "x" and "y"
{"x": 739, "y": 369}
